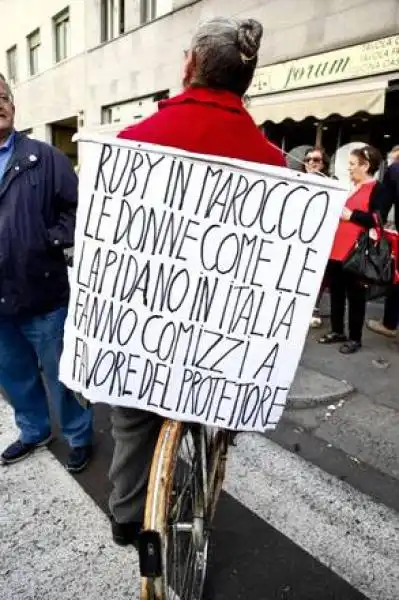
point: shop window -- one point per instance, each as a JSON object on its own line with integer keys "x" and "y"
{"x": 112, "y": 19}
{"x": 61, "y": 35}
{"x": 12, "y": 65}
{"x": 33, "y": 51}
{"x": 152, "y": 9}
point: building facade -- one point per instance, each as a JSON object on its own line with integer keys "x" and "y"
{"x": 101, "y": 64}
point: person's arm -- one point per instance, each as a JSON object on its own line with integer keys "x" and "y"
{"x": 393, "y": 185}
{"x": 377, "y": 204}
{"x": 387, "y": 199}
{"x": 65, "y": 199}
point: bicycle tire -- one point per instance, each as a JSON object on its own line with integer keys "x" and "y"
{"x": 207, "y": 481}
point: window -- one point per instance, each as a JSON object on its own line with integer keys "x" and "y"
{"x": 148, "y": 10}
{"x": 133, "y": 110}
{"x": 33, "y": 51}
{"x": 112, "y": 19}
{"x": 12, "y": 64}
{"x": 61, "y": 35}
{"x": 152, "y": 9}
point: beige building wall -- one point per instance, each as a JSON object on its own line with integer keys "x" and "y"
{"x": 147, "y": 59}
{"x": 50, "y": 95}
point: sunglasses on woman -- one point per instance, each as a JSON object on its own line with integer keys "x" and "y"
{"x": 316, "y": 159}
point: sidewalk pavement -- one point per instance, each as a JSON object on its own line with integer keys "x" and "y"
{"x": 351, "y": 402}
{"x": 55, "y": 541}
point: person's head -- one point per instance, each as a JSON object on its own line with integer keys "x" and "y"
{"x": 394, "y": 155}
{"x": 364, "y": 163}
{"x": 223, "y": 55}
{"x": 317, "y": 161}
{"x": 6, "y": 109}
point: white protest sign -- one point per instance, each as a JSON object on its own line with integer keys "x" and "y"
{"x": 194, "y": 281}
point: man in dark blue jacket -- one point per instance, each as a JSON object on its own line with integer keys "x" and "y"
{"x": 390, "y": 321}
{"x": 38, "y": 198}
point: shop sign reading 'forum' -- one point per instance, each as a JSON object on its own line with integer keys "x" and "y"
{"x": 194, "y": 281}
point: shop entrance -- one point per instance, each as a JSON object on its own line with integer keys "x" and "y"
{"x": 381, "y": 131}
{"x": 61, "y": 137}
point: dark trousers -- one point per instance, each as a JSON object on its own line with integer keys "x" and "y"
{"x": 345, "y": 288}
{"x": 135, "y": 434}
{"x": 391, "y": 312}
{"x": 323, "y": 287}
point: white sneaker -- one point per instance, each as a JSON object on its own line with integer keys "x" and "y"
{"x": 316, "y": 322}
{"x": 379, "y": 327}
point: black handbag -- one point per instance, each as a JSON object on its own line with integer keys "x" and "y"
{"x": 371, "y": 260}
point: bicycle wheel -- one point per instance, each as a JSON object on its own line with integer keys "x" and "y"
{"x": 176, "y": 523}
{"x": 217, "y": 445}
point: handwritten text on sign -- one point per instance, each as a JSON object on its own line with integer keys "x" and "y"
{"x": 193, "y": 283}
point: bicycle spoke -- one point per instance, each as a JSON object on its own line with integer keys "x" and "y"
{"x": 186, "y": 522}
{"x": 193, "y": 459}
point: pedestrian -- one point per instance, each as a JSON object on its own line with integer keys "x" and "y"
{"x": 390, "y": 321}
{"x": 357, "y": 216}
{"x": 317, "y": 162}
{"x": 207, "y": 118}
{"x": 38, "y": 198}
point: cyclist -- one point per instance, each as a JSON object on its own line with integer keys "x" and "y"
{"x": 207, "y": 118}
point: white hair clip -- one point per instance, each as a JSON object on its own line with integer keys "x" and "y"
{"x": 247, "y": 59}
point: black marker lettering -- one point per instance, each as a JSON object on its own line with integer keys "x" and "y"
{"x": 88, "y": 218}
{"x": 151, "y": 167}
{"x": 113, "y": 186}
{"x": 131, "y": 182}
{"x": 106, "y": 154}
{"x": 282, "y": 235}
{"x": 305, "y": 269}
{"x": 268, "y": 363}
{"x": 127, "y": 391}
{"x": 102, "y": 214}
{"x": 315, "y": 223}
{"x": 279, "y": 286}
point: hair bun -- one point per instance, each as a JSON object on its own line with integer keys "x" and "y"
{"x": 249, "y": 37}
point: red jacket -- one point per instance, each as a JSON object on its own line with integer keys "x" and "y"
{"x": 206, "y": 122}
{"x": 348, "y": 232}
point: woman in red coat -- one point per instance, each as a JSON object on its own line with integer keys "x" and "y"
{"x": 207, "y": 118}
{"x": 357, "y": 216}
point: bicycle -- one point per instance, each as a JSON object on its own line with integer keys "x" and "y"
{"x": 186, "y": 479}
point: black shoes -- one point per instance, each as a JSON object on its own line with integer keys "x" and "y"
{"x": 125, "y": 534}
{"x": 79, "y": 458}
{"x": 18, "y": 450}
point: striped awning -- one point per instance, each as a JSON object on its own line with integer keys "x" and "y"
{"x": 345, "y": 99}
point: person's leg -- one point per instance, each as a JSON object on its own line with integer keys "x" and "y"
{"x": 45, "y": 333}
{"x": 357, "y": 300}
{"x": 391, "y": 310}
{"x": 316, "y": 320}
{"x": 390, "y": 321}
{"x": 337, "y": 300}
{"x": 21, "y": 381}
{"x": 135, "y": 434}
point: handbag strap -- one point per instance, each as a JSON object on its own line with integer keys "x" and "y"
{"x": 378, "y": 222}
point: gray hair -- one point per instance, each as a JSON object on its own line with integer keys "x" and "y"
{"x": 7, "y": 87}
{"x": 227, "y": 53}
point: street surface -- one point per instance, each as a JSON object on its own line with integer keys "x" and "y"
{"x": 285, "y": 530}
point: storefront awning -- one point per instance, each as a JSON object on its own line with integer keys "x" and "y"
{"x": 343, "y": 99}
